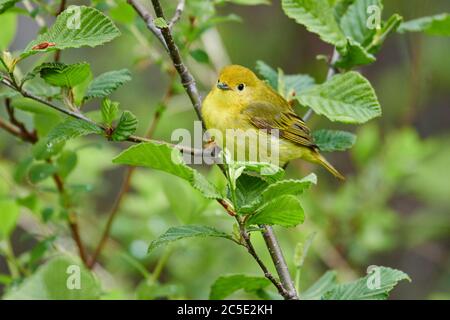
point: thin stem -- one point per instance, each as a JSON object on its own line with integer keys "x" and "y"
{"x": 251, "y": 250}
{"x": 178, "y": 12}
{"x": 280, "y": 263}
{"x": 187, "y": 80}
{"x": 162, "y": 261}
{"x": 62, "y": 6}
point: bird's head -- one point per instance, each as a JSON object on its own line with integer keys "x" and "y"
{"x": 237, "y": 83}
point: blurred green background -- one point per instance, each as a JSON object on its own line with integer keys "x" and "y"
{"x": 393, "y": 210}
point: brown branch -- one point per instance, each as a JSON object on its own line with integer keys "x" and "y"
{"x": 62, "y": 6}
{"x": 187, "y": 80}
{"x": 280, "y": 263}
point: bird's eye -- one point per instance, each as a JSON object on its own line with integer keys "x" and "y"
{"x": 241, "y": 87}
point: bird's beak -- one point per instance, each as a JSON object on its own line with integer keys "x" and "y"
{"x": 223, "y": 86}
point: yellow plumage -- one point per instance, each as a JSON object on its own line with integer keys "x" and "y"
{"x": 243, "y": 102}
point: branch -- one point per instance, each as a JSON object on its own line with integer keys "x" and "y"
{"x": 178, "y": 12}
{"x": 148, "y": 19}
{"x": 280, "y": 263}
{"x": 62, "y": 6}
{"x": 187, "y": 80}
{"x": 331, "y": 72}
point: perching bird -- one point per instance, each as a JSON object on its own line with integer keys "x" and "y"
{"x": 240, "y": 100}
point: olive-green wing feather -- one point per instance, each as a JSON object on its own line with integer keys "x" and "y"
{"x": 265, "y": 115}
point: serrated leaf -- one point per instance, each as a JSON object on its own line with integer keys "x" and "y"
{"x": 318, "y": 17}
{"x": 61, "y": 278}
{"x": 347, "y": 98}
{"x": 75, "y": 27}
{"x": 188, "y": 231}
{"x": 266, "y": 171}
{"x": 125, "y": 127}
{"x": 325, "y": 283}
{"x": 61, "y": 75}
{"x": 354, "y": 55}
{"x": 42, "y": 150}
{"x": 285, "y": 211}
{"x": 70, "y": 129}
{"x": 248, "y": 192}
{"x": 227, "y": 285}
{"x": 9, "y": 213}
{"x": 286, "y": 85}
{"x": 109, "y": 111}
{"x": 355, "y": 23}
{"x": 163, "y": 157}
{"x": 375, "y": 285}
{"x": 40, "y": 172}
{"x": 333, "y": 140}
{"x": 6, "y": 4}
{"x": 288, "y": 187}
{"x": 437, "y": 25}
{"x": 106, "y": 83}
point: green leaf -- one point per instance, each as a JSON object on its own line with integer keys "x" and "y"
{"x": 61, "y": 278}
{"x": 354, "y": 22}
{"x": 109, "y": 111}
{"x": 70, "y": 129}
{"x": 160, "y": 23}
{"x": 438, "y": 25}
{"x": 164, "y": 158}
{"x": 77, "y": 26}
{"x": 285, "y": 211}
{"x": 42, "y": 150}
{"x": 6, "y": 4}
{"x": 288, "y": 187}
{"x": 126, "y": 127}
{"x": 325, "y": 283}
{"x": 353, "y": 55}
{"x": 188, "y": 231}
{"x": 106, "y": 83}
{"x": 66, "y": 162}
{"x": 375, "y": 285}
{"x": 9, "y": 213}
{"x": 268, "y": 73}
{"x": 9, "y": 28}
{"x": 347, "y": 97}
{"x": 286, "y": 85}
{"x": 226, "y": 285}
{"x": 266, "y": 171}
{"x": 40, "y": 172}
{"x": 61, "y": 75}
{"x": 248, "y": 192}
{"x": 333, "y": 140}
{"x": 318, "y": 17}
{"x": 199, "y": 55}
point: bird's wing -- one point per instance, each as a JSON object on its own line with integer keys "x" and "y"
{"x": 266, "y": 115}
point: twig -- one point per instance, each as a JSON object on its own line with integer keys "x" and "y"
{"x": 178, "y": 12}
{"x": 187, "y": 80}
{"x": 331, "y": 72}
{"x": 248, "y": 244}
{"x": 280, "y": 263}
{"x": 148, "y": 19}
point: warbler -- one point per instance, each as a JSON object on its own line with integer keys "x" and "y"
{"x": 242, "y": 101}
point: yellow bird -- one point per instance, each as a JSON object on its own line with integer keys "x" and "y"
{"x": 240, "y": 100}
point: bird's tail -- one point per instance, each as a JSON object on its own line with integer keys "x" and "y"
{"x": 323, "y": 162}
